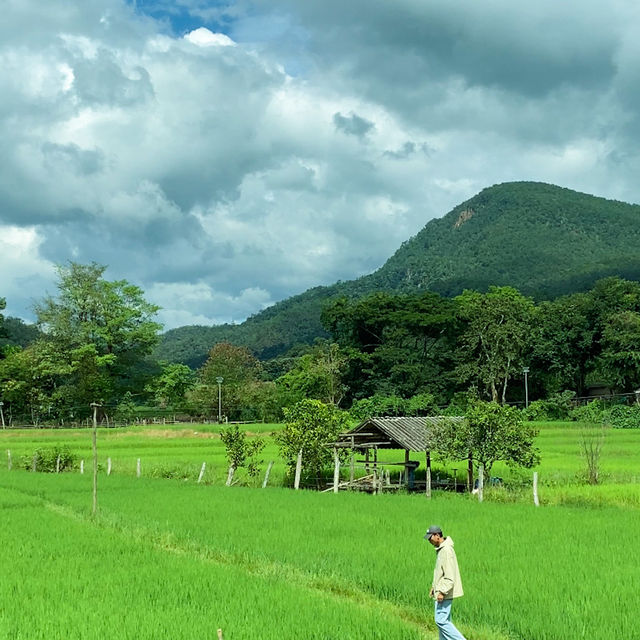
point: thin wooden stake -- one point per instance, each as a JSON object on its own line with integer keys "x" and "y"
{"x": 9, "y": 459}
{"x": 427, "y": 476}
{"x": 220, "y": 634}
{"x": 535, "y": 489}
{"x": 33, "y": 466}
{"x": 138, "y": 468}
{"x": 352, "y": 471}
{"x": 480, "y": 482}
{"x": 58, "y": 464}
{"x": 108, "y": 466}
{"x": 336, "y": 470}
{"x": 82, "y": 466}
{"x": 232, "y": 470}
{"x": 296, "y": 484}
{"x": 204, "y": 466}
{"x": 94, "y": 440}
{"x": 266, "y": 475}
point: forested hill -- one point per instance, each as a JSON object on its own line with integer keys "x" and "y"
{"x": 542, "y": 239}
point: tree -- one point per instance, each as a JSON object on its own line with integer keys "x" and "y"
{"x": 171, "y": 386}
{"x": 492, "y": 432}
{"x": 620, "y": 356}
{"x": 99, "y": 331}
{"x": 498, "y": 325}
{"x": 240, "y": 371}
{"x": 318, "y": 374}
{"x": 3, "y": 331}
{"x": 310, "y": 426}
{"x": 242, "y": 452}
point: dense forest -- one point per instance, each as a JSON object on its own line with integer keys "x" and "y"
{"x": 544, "y": 240}
{"x": 386, "y": 353}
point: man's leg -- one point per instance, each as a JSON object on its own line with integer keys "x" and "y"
{"x": 443, "y": 621}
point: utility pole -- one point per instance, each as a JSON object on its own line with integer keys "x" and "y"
{"x": 219, "y": 380}
{"x": 94, "y": 439}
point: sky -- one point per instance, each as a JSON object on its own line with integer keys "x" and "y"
{"x": 226, "y": 155}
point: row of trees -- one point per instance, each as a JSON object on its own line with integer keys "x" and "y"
{"x": 387, "y": 354}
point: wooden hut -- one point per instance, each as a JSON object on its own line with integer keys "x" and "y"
{"x": 411, "y": 434}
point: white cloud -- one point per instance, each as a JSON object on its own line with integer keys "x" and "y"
{"x": 205, "y": 38}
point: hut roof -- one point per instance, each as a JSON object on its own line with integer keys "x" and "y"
{"x": 395, "y": 433}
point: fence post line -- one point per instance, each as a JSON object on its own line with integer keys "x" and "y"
{"x": 266, "y": 475}
{"x": 480, "y": 482}
{"x": 138, "y": 469}
{"x": 296, "y": 484}
{"x": 336, "y": 470}
{"x": 9, "y": 459}
{"x": 204, "y": 466}
{"x": 535, "y": 489}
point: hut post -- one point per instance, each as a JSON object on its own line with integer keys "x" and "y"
{"x": 366, "y": 462}
{"x": 427, "y": 476}
{"x": 352, "y": 471}
{"x": 470, "y": 473}
{"x": 406, "y": 467}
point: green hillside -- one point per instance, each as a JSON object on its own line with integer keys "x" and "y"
{"x": 542, "y": 239}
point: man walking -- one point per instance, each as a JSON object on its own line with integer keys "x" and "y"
{"x": 446, "y": 583}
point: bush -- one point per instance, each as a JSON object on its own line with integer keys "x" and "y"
{"x": 623, "y": 417}
{"x": 591, "y": 412}
{"x": 556, "y": 407}
{"x": 47, "y": 459}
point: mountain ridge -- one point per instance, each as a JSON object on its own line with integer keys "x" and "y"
{"x": 542, "y": 239}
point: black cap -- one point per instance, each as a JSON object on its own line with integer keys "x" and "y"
{"x": 431, "y": 531}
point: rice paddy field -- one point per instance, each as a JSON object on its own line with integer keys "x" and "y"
{"x": 170, "y": 558}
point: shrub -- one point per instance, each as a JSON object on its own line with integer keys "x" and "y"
{"x": 47, "y": 459}
{"x": 556, "y": 407}
{"x": 623, "y": 417}
{"x": 591, "y": 412}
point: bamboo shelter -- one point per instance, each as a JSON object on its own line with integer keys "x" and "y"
{"x": 411, "y": 434}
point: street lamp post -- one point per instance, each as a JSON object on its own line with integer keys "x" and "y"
{"x": 219, "y": 380}
{"x": 525, "y": 370}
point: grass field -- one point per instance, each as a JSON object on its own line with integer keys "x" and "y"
{"x": 174, "y": 559}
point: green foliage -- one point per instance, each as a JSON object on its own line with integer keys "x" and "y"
{"x": 422, "y": 404}
{"x": 494, "y": 339}
{"x": 592, "y": 412}
{"x": 126, "y": 409}
{"x": 492, "y": 432}
{"x": 623, "y": 417}
{"x": 242, "y": 452}
{"x": 310, "y": 425}
{"x": 171, "y": 385}
{"x": 556, "y": 407}
{"x": 46, "y": 459}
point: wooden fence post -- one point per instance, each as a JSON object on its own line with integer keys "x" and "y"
{"x": 58, "y": 464}
{"x": 204, "y": 466}
{"x": 352, "y": 470}
{"x": 427, "y": 476}
{"x": 138, "y": 469}
{"x": 336, "y": 470}
{"x": 82, "y": 466}
{"x": 9, "y": 459}
{"x": 535, "y": 489}
{"x": 33, "y": 466}
{"x": 266, "y": 475}
{"x": 480, "y": 482}
{"x": 296, "y": 484}
{"x": 232, "y": 470}
{"x": 108, "y": 466}
{"x": 220, "y": 634}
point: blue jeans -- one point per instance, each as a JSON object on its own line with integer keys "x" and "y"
{"x": 443, "y": 621}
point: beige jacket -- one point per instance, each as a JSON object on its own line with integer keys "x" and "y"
{"x": 446, "y": 575}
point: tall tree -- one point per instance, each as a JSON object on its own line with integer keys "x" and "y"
{"x": 99, "y": 329}
{"x": 497, "y": 329}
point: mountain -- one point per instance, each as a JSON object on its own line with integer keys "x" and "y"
{"x": 542, "y": 239}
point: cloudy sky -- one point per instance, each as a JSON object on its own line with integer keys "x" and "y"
{"x": 226, "y": 155}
